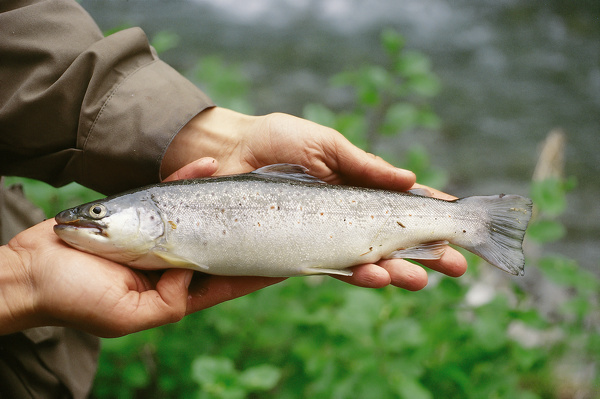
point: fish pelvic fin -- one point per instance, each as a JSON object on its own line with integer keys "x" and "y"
{"x": 178, "y": 261}
{"x": 500, "y": 243}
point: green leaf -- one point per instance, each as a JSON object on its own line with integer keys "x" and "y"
{"x": 392, "y": 41}
{"x": 410, "y": 388}
{"x": 412, "y": 63}
{"x": 546, "y": 231}
{"x": 397, "y": 334}
{"x": 357, "y": 317}
{"x": 372, "y": 81}
{"x": 567, "y": 272}
{"x": 164, "y": 40}
{"x": 400, "y": 117}
{"x": 135, "y": 375}
{"x": 549, "y": 196}
{"x": 118, "y": 28}
{"x": 211, "y": 370}
{"x": 353, "y": 126}
{"x": 320, "y": 114}
{"x": 424, "y": 84}
{"x": 428, "y": 119}
{"x": 260, "y": 378}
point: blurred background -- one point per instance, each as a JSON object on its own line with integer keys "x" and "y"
{"x": 510, "y": 72}
{"x": 464, "y": 94}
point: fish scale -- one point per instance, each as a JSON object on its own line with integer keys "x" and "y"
{"x": 280, "y": 221}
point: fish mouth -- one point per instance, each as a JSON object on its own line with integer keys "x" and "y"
{"x": 69, "y": 220}
{"x": 79, "y": 225}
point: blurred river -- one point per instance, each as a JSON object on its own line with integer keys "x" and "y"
{"x": 511, "y": 71}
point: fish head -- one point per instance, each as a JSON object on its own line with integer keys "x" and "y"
{"x": 117, "y": 229}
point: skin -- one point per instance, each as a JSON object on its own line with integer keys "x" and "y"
{"x": 45, "y": 282}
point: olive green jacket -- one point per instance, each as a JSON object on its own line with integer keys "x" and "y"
{"x": 76, "y": 106}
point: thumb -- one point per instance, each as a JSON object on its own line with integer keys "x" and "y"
{"x": 172, "y": 298}
{"x": 202, "y": 167}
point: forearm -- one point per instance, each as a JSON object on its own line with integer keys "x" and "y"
{"x": 76, "y": 106}
{"x": 16, "y": 299}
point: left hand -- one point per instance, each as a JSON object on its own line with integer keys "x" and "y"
{"x": 46, "y": 282}
{"x": 244, "y": 143}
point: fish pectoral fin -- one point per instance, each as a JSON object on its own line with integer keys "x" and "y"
{"x": 308, "y": 270}
{"x": 179, "y": 261}
{"x": 427, "y": 250}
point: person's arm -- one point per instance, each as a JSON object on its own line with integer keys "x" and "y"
{"x": 76, "y": 106}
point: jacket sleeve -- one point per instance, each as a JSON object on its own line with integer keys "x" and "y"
{"x": 76, "y": 106}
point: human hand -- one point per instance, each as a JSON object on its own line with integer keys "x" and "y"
{"x": 243, "y": 143}
{"x": 49, "y": 283}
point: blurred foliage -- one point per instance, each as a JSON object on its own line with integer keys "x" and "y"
{"x": 316, "y": 337}
{"x": 51, "y": 199}
{"x": 226, "y": 83}
{"x": 388, "y": 101}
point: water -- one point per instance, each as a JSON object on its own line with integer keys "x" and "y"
{"x": 511, "y": 71}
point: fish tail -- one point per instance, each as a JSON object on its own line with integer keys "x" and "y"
{"x": 500, "y": 241}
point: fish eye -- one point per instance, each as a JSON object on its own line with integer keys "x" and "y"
{"x": 97, "y": 211}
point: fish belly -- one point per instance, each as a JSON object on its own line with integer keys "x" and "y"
{"x": 269, "y": 229}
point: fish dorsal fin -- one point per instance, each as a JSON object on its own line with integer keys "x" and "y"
{"x": 421, "y": 192}
{"x": 287, "y": 171}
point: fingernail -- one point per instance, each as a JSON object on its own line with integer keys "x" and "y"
{"x": 188, "y": 278}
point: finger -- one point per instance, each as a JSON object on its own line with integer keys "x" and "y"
{"x": 202, "y": 167}
{"x": 360, "y": 168}
{"x": 168, "y": 303}
{"x": 452, "y": 263}
{"x": 405, "y": 274}
{"x": 147, "y": 308}
{"x": 368, "y": 276}
{"x": 207, "y": 290}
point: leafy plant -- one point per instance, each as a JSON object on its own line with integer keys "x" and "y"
{"x": 388, "y": 101}
{"x": 226, "y": 83}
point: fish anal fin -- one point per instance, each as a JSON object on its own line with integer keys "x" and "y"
{"x": 426, "y": 251}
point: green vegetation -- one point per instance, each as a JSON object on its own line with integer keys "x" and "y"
{"x": 319, "y": 338}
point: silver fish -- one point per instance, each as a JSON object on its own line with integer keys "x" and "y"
{"x": 280, "y": 221}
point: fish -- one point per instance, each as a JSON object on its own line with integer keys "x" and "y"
{"x": 280, "y": 221}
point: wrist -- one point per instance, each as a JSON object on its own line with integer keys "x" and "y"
{"x": 215, "y": 132}
{"x": 16, "y": 291}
